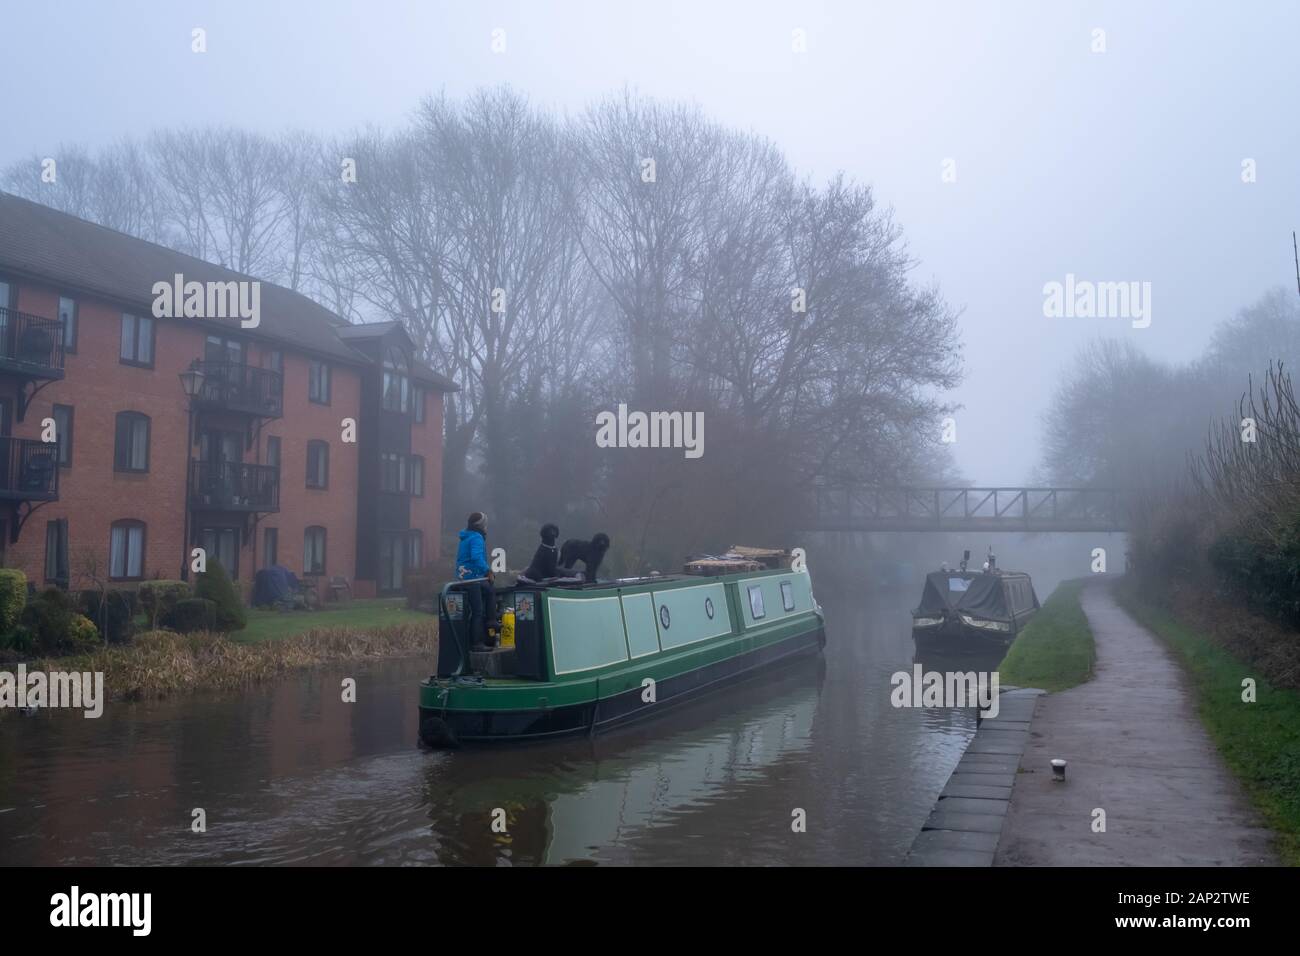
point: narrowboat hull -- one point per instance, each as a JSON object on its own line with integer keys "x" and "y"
{"x": 668, "y": 657}
{"x": 953, "y": 632}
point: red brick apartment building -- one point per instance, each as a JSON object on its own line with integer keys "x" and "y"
{"x": 255, "y": 468}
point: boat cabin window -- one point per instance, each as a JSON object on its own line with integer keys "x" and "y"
{"x": 756, "y": 602}
{"x": 958, "y": 584}
{"x": 787, "y": 595}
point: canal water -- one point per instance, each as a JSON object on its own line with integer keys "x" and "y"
{"x": 289, "y": 774}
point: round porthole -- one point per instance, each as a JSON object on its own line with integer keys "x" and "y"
{"x": 664, "y": 617}
{"x": 708, "y": 607}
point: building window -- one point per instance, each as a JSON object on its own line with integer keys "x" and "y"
{"x": 415, "y": 551}
{"x": 417, "y": 476}
{"x": 126, "y": 551}
{"x": 274, "y": 360}
{"x": 397, "y": 384}
{"x": 270, "y": 547}
{"x": 68, "y": 316}
{"x": 218, "y": 348}
{"x": 318, "y": 383}
{"x": 131, "y": 446}
{"x": 417, "y": 403}
{"x": 273, "y": 451}
{"x": 222, "y": 546}
{"x": 137, "y": 341}
{"x": 392, "y": 472}
{"x": 391, "y": 558}
{"x": 63, "y": 432}
{"x": 318, "y": 464}
{"x": 56, "y": 552}
{"x": 313, "y": 551}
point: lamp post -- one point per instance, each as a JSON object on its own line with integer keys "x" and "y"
{"x": 192, "y": 383}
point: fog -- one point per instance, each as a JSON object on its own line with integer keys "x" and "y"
{"x": 1122, "y": 165}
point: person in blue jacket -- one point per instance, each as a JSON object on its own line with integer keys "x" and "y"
{"x": 471, "y": 563}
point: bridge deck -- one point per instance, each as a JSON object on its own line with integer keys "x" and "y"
{"x": 1097, "y": 510}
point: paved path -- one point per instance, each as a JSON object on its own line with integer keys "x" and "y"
{"x": 1135, "y": 749}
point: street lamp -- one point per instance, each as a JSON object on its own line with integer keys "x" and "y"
{"x": 192, "y": 379}
{"x": 192, "y": 383}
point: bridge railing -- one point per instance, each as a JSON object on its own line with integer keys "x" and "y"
{"x": 939, "y": 509}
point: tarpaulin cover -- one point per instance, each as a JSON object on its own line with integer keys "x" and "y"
{"x": 273, "y": 585}
{"x": 981, "y": 595}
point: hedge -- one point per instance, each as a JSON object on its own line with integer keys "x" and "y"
{"x": 13, "y": 598}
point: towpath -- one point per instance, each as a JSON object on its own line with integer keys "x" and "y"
{"x": 1137, "y": 751}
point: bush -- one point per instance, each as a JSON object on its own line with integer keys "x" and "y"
{"x": 50, "y": 619}
{"x": 113, "y": 613}
{"x": 82, "y": 635}
{"x": 13, "y": 598}
{"x": 421, "y": 589}
{"x": 215, "y": 585}
{"x": 20, "y": 640}
{"x": 157, "y": 598}
{"x": 192, "y": 614}
{"x": 1263, "y": 570}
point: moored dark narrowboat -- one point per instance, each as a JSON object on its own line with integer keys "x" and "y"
{"x": 964, "y": 607}
{"x": 588, "y": 657}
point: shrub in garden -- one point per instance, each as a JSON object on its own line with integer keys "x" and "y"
{"x": 19, "y": 640}
{"x": 157, "y": 598}
{"x": 13, "y": 598}
{"x": 421, "y": 589}
{"x": 112, "y": 611}
{"x": 56, "y": 626}
{"x": 215, "y": 585}
{"x": 82, "y": 635}
{"x": 192, "y": 614}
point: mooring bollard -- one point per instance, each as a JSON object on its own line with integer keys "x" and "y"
{"x": 1058, "y": 770}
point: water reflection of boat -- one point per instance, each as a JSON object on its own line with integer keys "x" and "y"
{"x": 570, "y": 798}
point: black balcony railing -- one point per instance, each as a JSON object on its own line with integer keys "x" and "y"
{"x": 29, "y": 469}
{"x": 31, "y": 344}
{"x": 234, "y": 486}
{"x": 242, "y": 388}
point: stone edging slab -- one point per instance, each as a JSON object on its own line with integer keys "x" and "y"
{"x": 964, "y": 827}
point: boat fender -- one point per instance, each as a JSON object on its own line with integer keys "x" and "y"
{"x": 436, "y": 732}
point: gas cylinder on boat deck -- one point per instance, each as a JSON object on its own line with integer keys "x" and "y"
{"x": 508, "y": 628}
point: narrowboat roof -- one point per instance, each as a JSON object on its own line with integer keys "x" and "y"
{"x": 649, "y": 580}
{"x": 983, "y": 594}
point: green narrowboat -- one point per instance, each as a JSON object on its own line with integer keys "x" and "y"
{"x": 588, "y": 657}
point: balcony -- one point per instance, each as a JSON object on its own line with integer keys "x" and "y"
{"x": 29, "y": 470}
{"x": 234, "y": 387}
{"x": 30, "y": 346}
{"x": 234, "y": 486}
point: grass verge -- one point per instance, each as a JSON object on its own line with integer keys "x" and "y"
{"x": 1260, "y": 742}
{"x": 359, "y": 615}
{"x": 1055, "y": 651}
{"x": 160, "y": 663}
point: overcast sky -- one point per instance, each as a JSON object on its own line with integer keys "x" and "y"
{"x": 1122, "y": 165}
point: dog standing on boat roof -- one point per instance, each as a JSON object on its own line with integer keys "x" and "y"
{"x": 546, "y": 559}
{"x": 590, "y": 553}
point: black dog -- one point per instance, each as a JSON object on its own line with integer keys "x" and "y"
{"x": 590, "y": 553}
{"x": 545, "y": 558}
